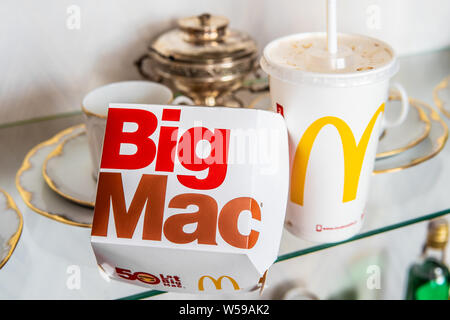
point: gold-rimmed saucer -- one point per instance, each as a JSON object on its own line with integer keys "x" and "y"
{"x": 35, "y": 191}
{"x": 441, "y": 96}
{"x": 410, "y": 133}
{"x": 68, "y": 170}
{"x": 11, "y": 224}
{"x": 425, "y": 150}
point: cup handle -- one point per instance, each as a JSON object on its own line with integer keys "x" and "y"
{"x": 183, "y": 100}
{"x": 405, "y": 106}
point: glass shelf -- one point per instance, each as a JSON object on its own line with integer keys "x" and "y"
{"x": 316, "y": 248}
{"x": 50, "y": 253}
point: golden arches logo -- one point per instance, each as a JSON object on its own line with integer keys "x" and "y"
{"x": 353, "y": 155}
{"x": 217, "y": 282}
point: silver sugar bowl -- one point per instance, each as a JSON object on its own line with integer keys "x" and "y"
{"x": 202, "y": 59}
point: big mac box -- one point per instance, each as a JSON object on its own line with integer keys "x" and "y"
{"x": 190, "y": 199}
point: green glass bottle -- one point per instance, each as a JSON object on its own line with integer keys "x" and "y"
{"x": 429, "y": 278}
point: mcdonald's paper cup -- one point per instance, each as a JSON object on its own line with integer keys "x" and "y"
{"x": 190, "y": 199}
{"x": 334, "y": 121}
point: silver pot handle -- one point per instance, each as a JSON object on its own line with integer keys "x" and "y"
{"x": 139, "y": 63}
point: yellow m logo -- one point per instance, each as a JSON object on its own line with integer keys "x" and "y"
{"x": 353, "y": 155}
{"x": 217, "y": 283}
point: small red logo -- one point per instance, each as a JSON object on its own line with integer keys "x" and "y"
{"x": 280, "y": 109}
{"x": 318, "y": 227}
{"x": 167, "y": 281}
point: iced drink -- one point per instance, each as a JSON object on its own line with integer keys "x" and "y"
{"x": 333, "y": 106}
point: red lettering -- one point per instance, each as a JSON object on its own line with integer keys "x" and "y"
{"x": 167, "y": 142}
{"x": 205, "y": 218}
{"x": 215, "y": 163}
{"x": 228, "y": 222}
{"x": 114, "y": 137}
{"x": 150, "y": 194}
{"x": 280, "y": 109}
{"x": 149, "y": 198}
{"x": 151, "y": 191}
{"x": 171, "y": 115}
{"x": 166, "y": 149}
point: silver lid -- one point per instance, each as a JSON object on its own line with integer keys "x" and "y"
{"x": 204, "y": 39}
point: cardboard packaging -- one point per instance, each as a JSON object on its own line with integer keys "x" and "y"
{"x": 190, "y": 199}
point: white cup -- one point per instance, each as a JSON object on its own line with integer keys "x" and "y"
{"x": 334, "y": 121}
{"x": 95, "y": 107}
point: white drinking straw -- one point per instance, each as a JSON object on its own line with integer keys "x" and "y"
{"x": 331, "y": 26}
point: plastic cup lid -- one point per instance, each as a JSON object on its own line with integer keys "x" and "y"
{"x": 293, "y": 74}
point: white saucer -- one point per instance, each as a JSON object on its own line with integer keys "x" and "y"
{"x": 11, "y": 223}
{"x": 441, "y": 96}
{"x": 410, "y": 133}
{"x": 394, "y": 140}
{"x": 67, "y": 170}
{"x": 425, "y": 150}
{"x": 36, "y": 193}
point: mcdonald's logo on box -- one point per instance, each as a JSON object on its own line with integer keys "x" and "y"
{"x": 192, "y": 192}
{"x": 217, "y": 282}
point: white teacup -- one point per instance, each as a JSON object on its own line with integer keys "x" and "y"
{"x": 401, "y": 117}
{"x": 95, "y": 107}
